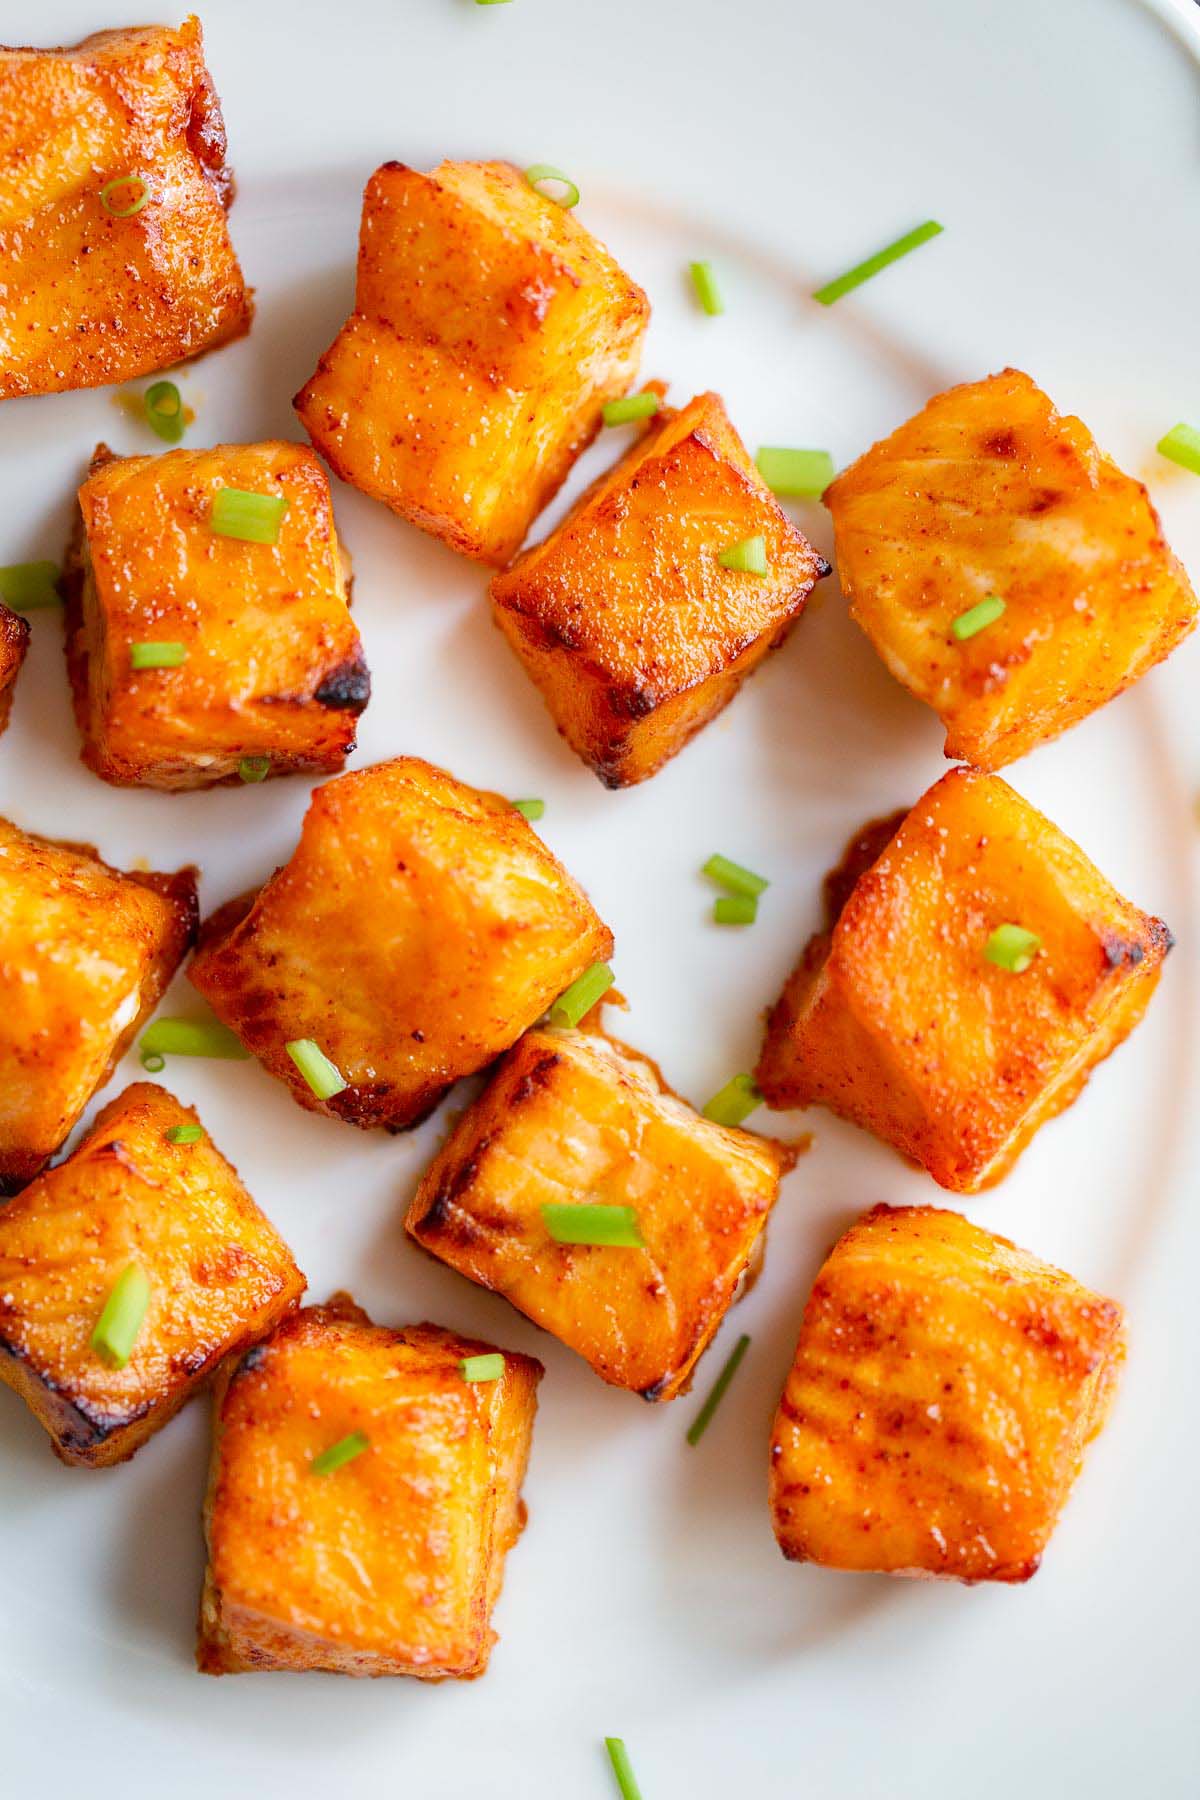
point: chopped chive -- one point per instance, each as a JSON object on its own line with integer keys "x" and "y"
{"x": 254, "y": 518}
{"x": 482, "y": 1368}
{"x": 254, "y": 768}
{"x": 110, "y": 196}
{"x": 184, "y": 1134}
{"x": 749, "y": 556}
{"x": 189, "y": 1037}
{"x": 157, "y": 656}
{"x": 163, "y": 405}
{"x": 863, "y": 271}
{"x": 977, "y": 618}
{"x": 1013, "y": 948}
{"x": 116, "y": 1330}
{"x": 1182, "y": 445}
{"x": 530, "y": 809}
{"x": 735, "y": 909}
{"x": 618, "y": 1756}
{"x": 731, "y": 875}
{"x": 707, "y": 291}
{"x": 795, "y": 474}
{"x": 538, "y": 174}
{"x": 734, "y": 1102}
{"x": 27, "y": 586}
{"x": 703, "y": 1419}
{"x": 344, "y": 1451}
{"x": 616, "y": 1226}
{"x": 582, "y": 995}
{"x": 323, "y": 1077}
{"x": 153, "y": 1061}
{"x": 632, "y": 406}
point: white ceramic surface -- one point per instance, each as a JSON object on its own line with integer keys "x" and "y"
{"x": 784, "y": 138}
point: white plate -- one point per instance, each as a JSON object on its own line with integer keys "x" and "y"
{"x": 784, "y": 138}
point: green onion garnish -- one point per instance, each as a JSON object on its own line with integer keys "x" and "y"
{"x": 344, "y": 1451}
{"x": 734, "y": 1102}
{"x": 703, "y": 1419}
{"x": 189, "y": 1037}
{"x": 153, "y": 1061}
{"x": 116, "y": 1330}
{"x": 184, "y": 1134}
{"x": 538, "y": 174}
{"x": 254, "y": 768}
{"x": 157, "y": 656}
{"x": 323, "y": 1077}
{"x": 27, "y": 586}
{"x": 707, "y": 291}
{"x": 749, "y": 556}
{"x": 616, "y": 1226}
{"x": 1182, "y": 445}
{"x": 110, "y": 192}
{"x": 164, "y": 410}
{"x": 1013, "y": 948}
{"x": 735, "y": 909}
{"x": 633, "y": 406}
{"x": 254, "y": 518}
{"x": 978, "y": 618}
{"x": 482, "y": 1368}
{"x": 618, "y": 1756}
{"x": 796, "y": 474}
{"x": 731, "y": 875}
{"x": 491, "y": 2}
{"x": 531, "y": 809}
{"x": 863, "y": 271}
{"x": 582, "y": 995}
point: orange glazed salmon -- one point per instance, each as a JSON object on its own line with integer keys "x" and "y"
{"x": 115, "y": 257}
{"x": 1004, "y": 568}
{"x": 364, "y": 1494}
{"x": 943, "y": 1390}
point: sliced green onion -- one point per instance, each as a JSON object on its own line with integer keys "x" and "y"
{"x": 110, "y": 192}
{"x": 731, "y": 875}
{"x": 863, "y": 271}
{"x": 978, "y": 618}
{"x": 344, "y": 1451}
{"x": 116, "y": 1330}
{"x": 163, "y": 404}
{"x": 190, "y": 1037}
{"x": 157, "y": 656}
{"x": 482, "y": 1368}
{"x": 1182, "y": 445}
{"x": 323, "y": 1077}
{"x": 154, "y": 1062}
{"x": 491, "y": 2}
{"x": 735, "y": 909}
{"x": 184, "y": 1134}
{"x": 27, "y": 586}
{"x": 531, "y": 809}
{"x": 582, "y": 995}
{"x": 707, "y": 291}
{"x": 254, "y": 768}
{"x": 703, "y": 1419}
{"x": 734, "y": 1102}
{"x": 616, "y": 1226}
{"x": 618, "y": 1756}
{"x": 1013, "y": 948}
{"x": 748, "y": 555}
{"x": 795, "y": 474}
{"x": 632, "y": 406}
{"x": 254, "y": 518}
{"x": 30, "y": 587}
{"x": 537, "y": 174}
